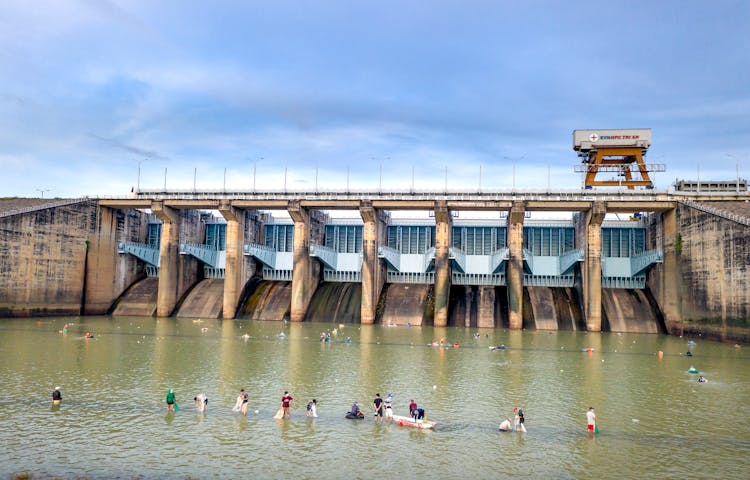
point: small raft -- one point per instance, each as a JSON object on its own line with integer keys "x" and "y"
{"x": 410, "y": 422}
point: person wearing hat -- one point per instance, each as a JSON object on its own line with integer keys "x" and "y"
{"x": 170, "y": 400}
{"x": 56, "y": 396}
{"x": 388, "y": 403}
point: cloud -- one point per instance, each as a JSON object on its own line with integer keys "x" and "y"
{"x": 152, "y": 154}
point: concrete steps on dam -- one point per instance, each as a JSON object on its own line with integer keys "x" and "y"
{"x": 552, "y": 308}
{"x": 630, "y": 311}
{"x": 204, "y": 300}
{"x": 337, "y": 302}
{"x": 270, "y": 300}
{"x": 139, "y": 300}
{"x": 407, "y": 303}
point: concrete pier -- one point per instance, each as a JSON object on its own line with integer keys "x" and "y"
{"x": 514, "y": 266}
{"x": 303, "y": 281}
{"x": 233, "y": 275}
{"x": 443, "y": 228}
{"x": 671, "y": 300}
{"x": 373, "y": 271}
{"x": 589, "y": 232}
{"x": 486, "y": 310}
{"x": 169, "y": 249}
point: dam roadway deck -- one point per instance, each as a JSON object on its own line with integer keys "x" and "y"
{"x": 621, "y": 201}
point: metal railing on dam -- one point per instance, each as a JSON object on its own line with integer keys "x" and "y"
{"x": 485, "y": 199}
{"x": 44, "y": 206}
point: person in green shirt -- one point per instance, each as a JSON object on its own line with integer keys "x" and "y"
{"x": 170, "y": 400}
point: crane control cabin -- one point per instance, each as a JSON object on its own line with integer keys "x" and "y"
{"x": 619, "y": 152}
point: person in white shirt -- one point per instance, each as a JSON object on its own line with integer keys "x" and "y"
{"x": 591, "y": 420}
{"x": 388, "y": 403}
{"x": 505, "y": 426}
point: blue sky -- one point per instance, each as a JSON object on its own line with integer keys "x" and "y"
{"x": 91, "y": 88}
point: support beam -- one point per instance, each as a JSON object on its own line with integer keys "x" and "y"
{"x": 486, "y": 310}
{"x": 671, "y": 299}
{"x": 233, "y": 277}
{"x": 169, "y": 252}
{"x": 514, "y": 265}
{"x": 303, "y": 283}
{"x": 592, "y": 267}
{"x": 443, "y": 228}
{"x": 373, "y": 270}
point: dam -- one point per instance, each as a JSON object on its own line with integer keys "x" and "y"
{"x": 675, "y": 263}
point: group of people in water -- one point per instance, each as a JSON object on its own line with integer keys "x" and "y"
{"x": 518, "y": 422}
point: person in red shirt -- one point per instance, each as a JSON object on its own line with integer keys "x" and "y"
{"x": 286, "y": 403}
{"x": 412, "y": 407}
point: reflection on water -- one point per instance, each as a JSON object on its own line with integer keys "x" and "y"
{"x": 655, "y": 420}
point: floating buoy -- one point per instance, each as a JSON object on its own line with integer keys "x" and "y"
{"x": 693, "y": 370}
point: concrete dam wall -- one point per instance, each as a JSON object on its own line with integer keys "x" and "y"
{"x": 62, "y": 259}
{"x": 713, "y": 255}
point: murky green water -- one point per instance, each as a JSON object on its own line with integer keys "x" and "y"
{"x": 655, "y": 420}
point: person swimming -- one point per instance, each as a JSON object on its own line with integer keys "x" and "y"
{"x": 702, "y": 379}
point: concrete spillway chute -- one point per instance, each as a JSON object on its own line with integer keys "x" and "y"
{"x": 615, "y": 151}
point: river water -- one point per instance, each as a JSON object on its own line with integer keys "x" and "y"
{"x": 655, "y": 420}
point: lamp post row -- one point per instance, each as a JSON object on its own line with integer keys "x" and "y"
{"x": 380, "y": 175}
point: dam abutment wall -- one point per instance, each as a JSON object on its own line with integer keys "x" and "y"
{"x": 62, "y": 259}
{"x": 710, "y": 282}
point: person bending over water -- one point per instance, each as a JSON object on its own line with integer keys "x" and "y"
{"x": 56, "y": 396}
{"x": 201, "y": 402}
{"x": 312, "y": 406}
{"x": 418, "y": 414}
{"x": 505, "y": 426}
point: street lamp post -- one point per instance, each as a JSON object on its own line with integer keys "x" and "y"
{"x": 138, "y": 182}
{"x": 737, "y": 169}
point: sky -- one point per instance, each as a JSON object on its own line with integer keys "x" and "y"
{"x": 368, "y": 94}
